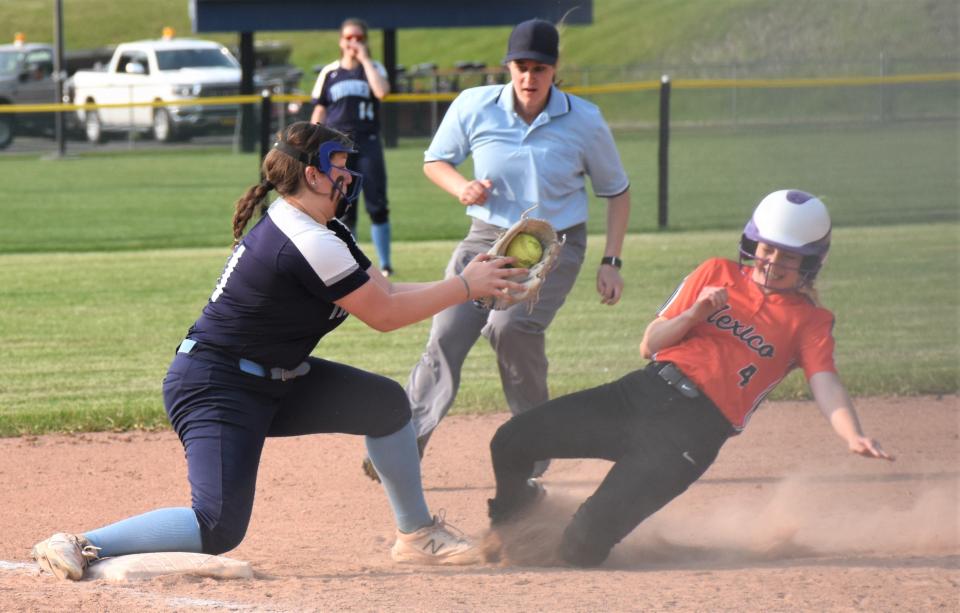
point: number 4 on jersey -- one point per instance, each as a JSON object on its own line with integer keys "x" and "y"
{"x": 745, "y": 374}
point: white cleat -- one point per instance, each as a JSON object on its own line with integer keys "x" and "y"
{"x": 436, "y": 544}
{"x": 65, "y": 555}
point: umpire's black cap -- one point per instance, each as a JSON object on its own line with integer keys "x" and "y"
{"x": 536, "y": 40}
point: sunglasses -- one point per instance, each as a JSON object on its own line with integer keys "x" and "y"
{"x": 357, "y": 37}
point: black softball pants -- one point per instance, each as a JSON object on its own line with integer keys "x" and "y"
{"x": 223, "y": 416}
{"x": 659, "y": 440}
{"x": 369, "y": 161}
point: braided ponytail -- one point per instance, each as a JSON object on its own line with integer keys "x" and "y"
{"x": 255, "y": 195}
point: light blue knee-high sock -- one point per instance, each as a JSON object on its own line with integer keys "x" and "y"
{"x": 397, "y": 461}
{"x": 170, "y": 529}
{"x": 380, "y": 235}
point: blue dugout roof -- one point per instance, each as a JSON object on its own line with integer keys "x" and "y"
{"x": 260, "y": 15}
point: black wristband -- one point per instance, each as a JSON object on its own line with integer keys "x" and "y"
{"x": 612, "y": 260}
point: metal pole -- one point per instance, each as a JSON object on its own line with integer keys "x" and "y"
{"x": 733, "y": 95}
{"x": 248, "y": 134}
{"x": 886, "y": 107}
{"x": 390, "y": 115}
{"x": 663, "y": 160}
{"x": 59, "y": 74}
{"x": 434, "y": 106}
{"x": 265, "y": 131}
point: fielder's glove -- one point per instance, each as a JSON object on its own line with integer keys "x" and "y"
{"x": 550, "y": 247}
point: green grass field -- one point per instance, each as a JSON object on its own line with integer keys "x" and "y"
{"x": 105, "y": 261}
{"x": 867, "y": 174}
{"x": 87, "y": 336}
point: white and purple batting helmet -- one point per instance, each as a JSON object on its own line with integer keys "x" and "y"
{"x": 793, "y": 220}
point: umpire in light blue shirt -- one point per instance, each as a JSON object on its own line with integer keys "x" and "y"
{"x": 532, "y": 144}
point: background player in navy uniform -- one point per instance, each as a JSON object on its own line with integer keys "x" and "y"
{"x": 347, "y": 97}
{"x": 244, "y": 372}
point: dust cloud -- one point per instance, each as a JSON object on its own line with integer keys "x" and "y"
{"x": 799, "y": 516}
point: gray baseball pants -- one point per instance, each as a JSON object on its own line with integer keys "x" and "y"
{"x": 517, "y": 337}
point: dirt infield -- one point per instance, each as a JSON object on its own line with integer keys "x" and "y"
{"x": 785, "y": 520}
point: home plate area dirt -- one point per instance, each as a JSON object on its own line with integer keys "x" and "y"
{"x": 785, "y": 520}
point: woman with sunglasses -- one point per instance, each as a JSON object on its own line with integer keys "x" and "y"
{"x": 726, "y": 337}
{"x": 244, "y": 371}
{"x": 347, "y": 97}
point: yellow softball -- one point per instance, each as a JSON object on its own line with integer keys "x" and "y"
{"x": 526, "y": 249}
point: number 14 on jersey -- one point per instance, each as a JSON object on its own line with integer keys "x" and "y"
{"x": 366, "y": 110}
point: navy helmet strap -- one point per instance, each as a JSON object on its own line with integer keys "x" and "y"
{"x": 293, "y": 152}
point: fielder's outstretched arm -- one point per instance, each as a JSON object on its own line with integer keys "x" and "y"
{"x": 376, "y": 276}
{"x": 384, "y": 311}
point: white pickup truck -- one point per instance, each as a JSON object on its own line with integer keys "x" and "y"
{"x": 159, "y": 71}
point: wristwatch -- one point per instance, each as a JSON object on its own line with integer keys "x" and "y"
{"x": 612, "y": 260}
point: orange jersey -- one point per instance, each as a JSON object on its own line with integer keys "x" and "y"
{"x": 747, "y": 346}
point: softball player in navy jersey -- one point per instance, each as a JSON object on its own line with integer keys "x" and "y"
{"x": 244, "y": 372}
{"x": 347, "y": 97}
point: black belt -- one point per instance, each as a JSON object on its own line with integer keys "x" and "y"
{"x": 248, "y": 366}
{"x": 675, "y": 378}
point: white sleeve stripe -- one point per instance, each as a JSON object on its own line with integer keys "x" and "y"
{"x": 327, "y": 255}
{"x": 337, "y": 278}
{"x": 318, "y": 86}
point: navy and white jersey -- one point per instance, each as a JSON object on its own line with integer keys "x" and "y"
{"x": 275, "y": 298}
{"x": 351, "y": 106}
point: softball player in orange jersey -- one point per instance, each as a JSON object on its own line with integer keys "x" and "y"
{"x": 725, "y": 338}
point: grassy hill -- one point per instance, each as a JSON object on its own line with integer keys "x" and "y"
{"x": 623, "y": 32}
